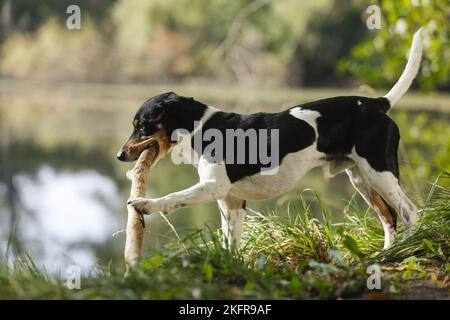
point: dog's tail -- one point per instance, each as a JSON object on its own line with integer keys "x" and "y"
{"x": 410, "y": 72}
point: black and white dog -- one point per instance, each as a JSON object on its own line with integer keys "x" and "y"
{"x": 349, "y": 133}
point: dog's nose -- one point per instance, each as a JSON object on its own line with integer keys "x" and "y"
{"x": 121, "y": 155}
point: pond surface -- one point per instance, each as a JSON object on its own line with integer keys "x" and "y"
{"x": 63, "y": 193}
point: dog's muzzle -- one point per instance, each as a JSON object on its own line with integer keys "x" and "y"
{"x": 131, "y": 150}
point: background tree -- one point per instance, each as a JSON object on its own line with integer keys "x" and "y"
{"x": 379, "y": 60}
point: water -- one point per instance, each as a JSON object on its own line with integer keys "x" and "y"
{"x": 64, "y": 209}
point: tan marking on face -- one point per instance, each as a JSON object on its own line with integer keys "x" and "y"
{"x": 386, "y": 210}
{"x": 162, "y": 138}
{"x": 134, "y": 147}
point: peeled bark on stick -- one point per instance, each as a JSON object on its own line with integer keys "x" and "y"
{"x": 135, "y": 224}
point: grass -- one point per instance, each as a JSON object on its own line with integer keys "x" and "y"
{"x": 292, "y": 255}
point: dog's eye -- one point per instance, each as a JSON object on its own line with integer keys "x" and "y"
{"x": 140, "y": 127}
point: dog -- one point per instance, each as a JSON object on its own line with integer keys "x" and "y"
{"x": 346, "y": 133}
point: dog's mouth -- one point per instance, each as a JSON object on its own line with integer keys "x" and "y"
{"x": 132, "y": 150}
{"x": 150, "y": 144}
{"x": 153, "y": 147}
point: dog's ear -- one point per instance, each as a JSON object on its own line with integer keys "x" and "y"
{"x": 176, "y": 104}
{"x": 174, "y": 99}
{"x": 176, "y": 113}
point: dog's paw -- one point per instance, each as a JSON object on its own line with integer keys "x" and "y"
{"x": 141, "y": 205}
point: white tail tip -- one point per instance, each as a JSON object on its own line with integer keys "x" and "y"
{"x": 410, "y": 71}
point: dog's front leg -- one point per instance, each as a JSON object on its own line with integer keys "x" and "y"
{"x": 199, "y": 193}
{"x": 233, "y": 215}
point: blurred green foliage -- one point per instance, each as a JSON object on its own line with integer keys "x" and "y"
{"x": 150, "y": 40}
{"x": 330, "y": 35}
{"x": 386, "y": 49}
{"x": 256, "y": 42}
{"x": 29, "y": 14}
{"x": 425, "y": 144}
{"x": 56, "y": 53}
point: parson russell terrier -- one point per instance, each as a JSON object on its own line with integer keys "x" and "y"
{"x": 349, "y": 133}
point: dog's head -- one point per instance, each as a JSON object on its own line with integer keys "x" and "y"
{"x": 154, "y": 123}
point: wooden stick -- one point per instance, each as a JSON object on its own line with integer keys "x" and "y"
{"x": 135, "y": 224}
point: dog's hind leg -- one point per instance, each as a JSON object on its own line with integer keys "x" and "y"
{"x": 233, "y": 214}
{"x": 375, "y": 155}
{"x": 388, "y": 188}
{"x": 386, "y": 214}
